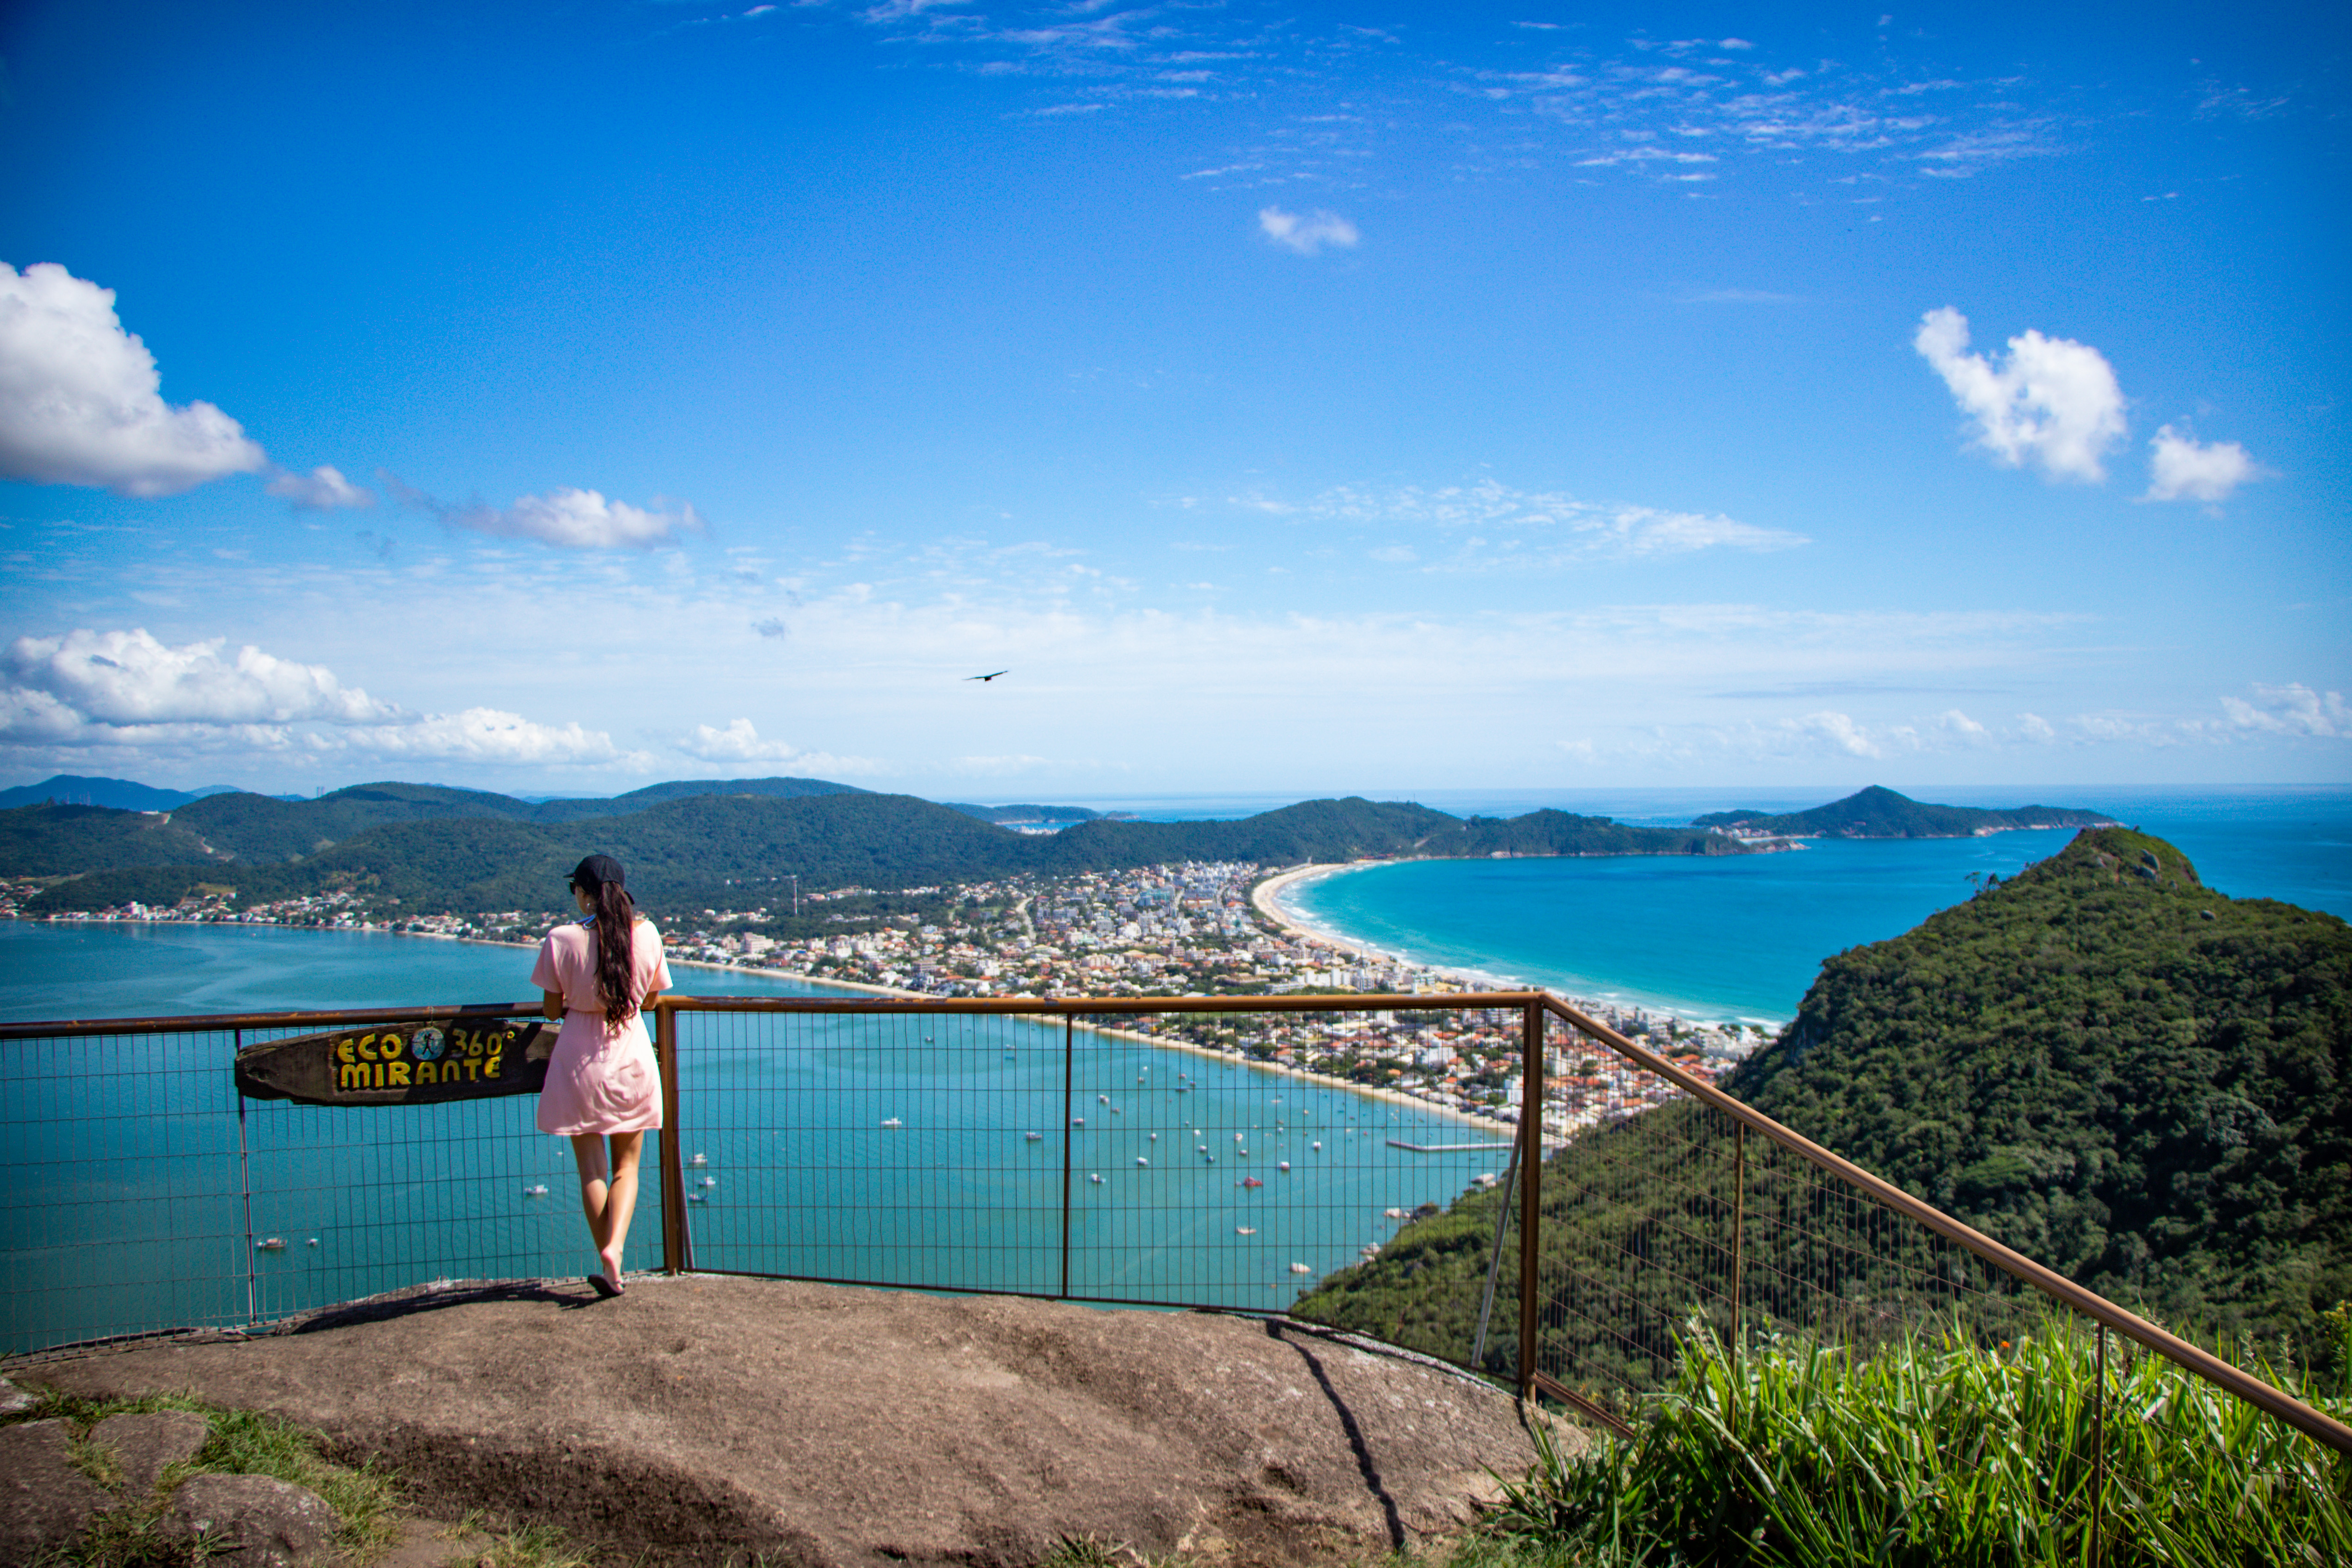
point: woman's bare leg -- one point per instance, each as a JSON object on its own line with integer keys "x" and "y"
{"x": 595, "y": 1187}
{"x": 620, "y": 1201}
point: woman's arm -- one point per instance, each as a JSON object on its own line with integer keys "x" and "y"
{"x": 552, "y": 1004}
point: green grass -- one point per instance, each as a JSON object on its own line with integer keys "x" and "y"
{"x": 238, "y": 1442}
{"x": 1950, "y": 1454}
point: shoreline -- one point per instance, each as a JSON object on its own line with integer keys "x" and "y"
{"x": 1362, "y": 1091}
{"x": 1266, "y": 898}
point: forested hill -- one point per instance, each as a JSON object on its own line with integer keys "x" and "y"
{"x": 2115, "y": 1069}
{"x": 2142, "y": 1083}
{"x": 436, "y": 850}
{"x": 1881, "y": 813}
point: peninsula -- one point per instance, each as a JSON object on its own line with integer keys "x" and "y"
{"x": 1881, "y": 813}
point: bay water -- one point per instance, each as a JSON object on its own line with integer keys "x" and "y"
{"x": 137, "y": 1192}
{"x": 1740, "y": 937}
{"x": 940, "y": 1151}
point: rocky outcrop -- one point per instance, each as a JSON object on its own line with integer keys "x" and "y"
{"x": 702, "y": 1419}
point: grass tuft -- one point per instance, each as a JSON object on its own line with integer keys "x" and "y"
{"x": 1929, "y": 1454}
{"x": 237, "y": 1442}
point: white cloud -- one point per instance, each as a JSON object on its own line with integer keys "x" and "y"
{"x": 323, "y": 489}
{"x": 741, "y": 742}
{"x": 569, "y": 518}
{"x": 1307, "y": 234}
{"x": 2035, "y": 729}
{"x": 2292, "y": 709}
{"x": 128, "y": 690}
{"x": 2054, "y": 403}
{"x": 1524, "y": 529}
{"x": 2181, "y": 468}
{"x": 132, "y": 678}
{"x": 81, "y": 399}
{"x": 489, "y": 736}
{"x": 1836, "y": 728}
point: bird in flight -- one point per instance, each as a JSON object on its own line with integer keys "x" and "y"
{"x": 988, "y": 677}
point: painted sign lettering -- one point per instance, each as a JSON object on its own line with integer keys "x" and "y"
{"x": 421, "y": 1062}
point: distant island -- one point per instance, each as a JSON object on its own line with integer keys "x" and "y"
{"x": 693, "y": 845}
{"x": 1881, "y": 813}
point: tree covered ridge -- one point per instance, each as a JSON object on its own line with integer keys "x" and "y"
{"x": 1878, "y": 812}
{"x": 2128, "y": 1077}
{"x": 437, "y": 850}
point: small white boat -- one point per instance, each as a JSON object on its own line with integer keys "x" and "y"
{"x": 1034, "y": 1137}
{"x": 1318, "y": 1142}
{"x": 314, "y": 1241}
{"x": 892, "y": 1122}
{"x": 695, "y": 1197}
{"x": 700, "y": 1160}
{"x": 1246, "y": 1230}
{"x": 1141, "y": 1161}
{"x": 1104, "y": 1098}
{"x": 1283, "y": 1167}
{"x": 1212, "y": 1159}
{"x": 534, "y": 1192}
{"x": 1155, "y": 1137}
{"x": 1078, "y": 1120}
{"x": 1095, "y": 1178}
{"x": 705, "y": 1181}
{"x": 270, "y": 1244}
{"x": 1300, "y": 1269}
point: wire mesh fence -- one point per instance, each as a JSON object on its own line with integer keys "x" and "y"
{"x": 1365, "y": 1162}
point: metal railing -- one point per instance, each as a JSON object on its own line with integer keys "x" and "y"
{"x": 1126, "y": 1151}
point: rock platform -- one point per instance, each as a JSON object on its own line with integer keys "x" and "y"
{"x": 705, "y": 1419}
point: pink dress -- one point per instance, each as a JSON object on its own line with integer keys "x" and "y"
{"x": 601, "y": 1078}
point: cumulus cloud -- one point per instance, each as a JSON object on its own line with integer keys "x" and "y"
{"x": 2054, "y": 403}
{"x": 120, "y": 688}
{"x": 1306, "y": 232}
{"x": 486, "y": 734}
{"x": 81, "y": 401}
{"x": 741, "y": 742}
{"x": 133, "y": 678}
{"x": 2181, "y": 468}
{"x": 568, "y": 519}
{"x": 323, "y": 489}
{"x": 2293, "y": 709}
{"x": 1838, "y": 730}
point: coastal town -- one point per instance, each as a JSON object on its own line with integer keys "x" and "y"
{"x": 1196, "y": 929}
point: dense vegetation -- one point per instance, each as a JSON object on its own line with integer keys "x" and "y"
{"x": 2137, "y": 1082}
{"x": 1025, "y": 813}
{"x": 58, "y": 840}
{"x": 1933, "y": 1454}
{"x": 434, "y": 849}
{"x": 1881, "y": 813}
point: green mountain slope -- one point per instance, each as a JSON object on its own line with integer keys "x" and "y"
{"x": 2127, "y": 1077}
{"x": 1881, "y": 813}
{"x": 2116, "y": 1071}
{"x": 448, "y": 850}
{"x": 58, "y": 840}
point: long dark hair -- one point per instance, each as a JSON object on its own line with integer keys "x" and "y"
{"x": 615, "y": 927}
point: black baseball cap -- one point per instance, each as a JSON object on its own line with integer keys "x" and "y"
{"x": 596, "y": 870}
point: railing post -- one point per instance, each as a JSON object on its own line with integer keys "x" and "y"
{"x": 245, "y": 1186}
{"x": 1739, "y": 1226}
{"x": 2099, "y": 1458}
{"x": 1531, "y": 1104}
{"x": 1067, "y": 1026}
{"x": 678, "y": 1247}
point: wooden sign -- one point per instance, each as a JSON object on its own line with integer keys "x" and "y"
{"x": 419, "y": 1062}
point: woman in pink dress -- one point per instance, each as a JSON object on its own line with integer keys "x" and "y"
{"x": 602, "y": 1081}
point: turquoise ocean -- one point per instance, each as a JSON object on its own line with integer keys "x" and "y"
{"x": 136, "y": 1196}
{"x": 1741, "y": 938}
{"x": 908, "y": 1149}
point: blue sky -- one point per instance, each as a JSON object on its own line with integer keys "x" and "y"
{"x": 1291, "y": 398}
